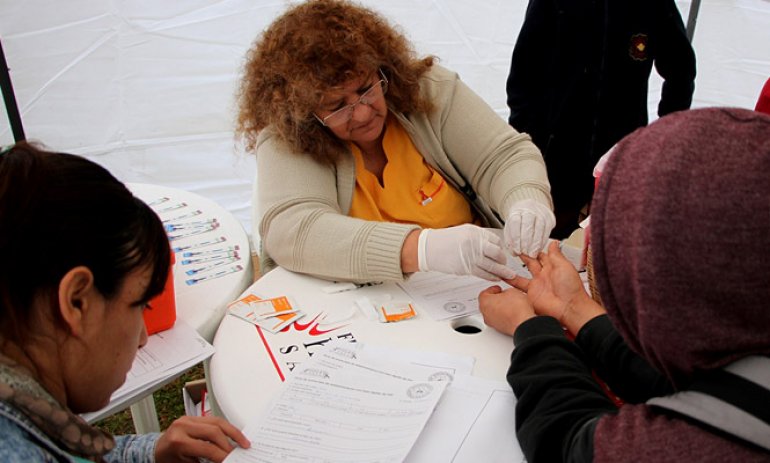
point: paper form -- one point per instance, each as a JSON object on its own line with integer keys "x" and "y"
{"x": 433, "y": 365}
{"x": 166, "y": 354}
{"x": 336, "y": 408}
{"x": 445, "y": 296}
{"x": 473, "y": 422}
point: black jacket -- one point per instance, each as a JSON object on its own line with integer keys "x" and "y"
{"x": 579, "y": 81}
{"x": 558, "y": 399}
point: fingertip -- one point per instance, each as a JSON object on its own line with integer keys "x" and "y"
{"x": 555, "y": 245}
{"x": 235, "y": 434}
{"x": 520, "y": 283}
{"x": 495, "y": 289}
{"x": 244, "y": 443}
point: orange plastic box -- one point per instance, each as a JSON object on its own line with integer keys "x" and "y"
{"x": 163, "y": 313}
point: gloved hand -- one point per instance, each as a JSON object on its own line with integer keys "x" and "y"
{"x": 527, "y": 227}
{"x": 463, "y": 250}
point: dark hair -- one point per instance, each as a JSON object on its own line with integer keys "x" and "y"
{"x": 310, "y": 48}
{"x": 59, "y": 211}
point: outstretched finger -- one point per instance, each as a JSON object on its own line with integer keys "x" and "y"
{"x": 533, "y": 265}
{"x": 235, "y": 434}
{"x": 554, "y": 250}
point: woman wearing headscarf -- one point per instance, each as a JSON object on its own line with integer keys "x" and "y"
{"x": 679, "y": 228}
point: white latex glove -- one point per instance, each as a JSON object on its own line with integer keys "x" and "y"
{"x": 463, "y": 250}
{"x": 527, "y": 227}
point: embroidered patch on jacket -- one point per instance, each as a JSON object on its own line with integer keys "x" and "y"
{"x": 638, "y": 48}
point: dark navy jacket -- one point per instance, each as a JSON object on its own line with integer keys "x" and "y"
{"x": 579, "y": 83}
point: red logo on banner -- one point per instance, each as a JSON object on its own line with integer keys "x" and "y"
{"x": 298, "y": 342}
{"x": 314, "y": 331}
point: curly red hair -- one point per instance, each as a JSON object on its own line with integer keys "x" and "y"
{"x": 312, "y": 47}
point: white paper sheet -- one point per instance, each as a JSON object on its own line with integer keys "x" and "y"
{"x": 444, "y": 296}
{"x": 166, "y": 355}
{"x": 336, "y": 407}
{"x": 473, "y": 422}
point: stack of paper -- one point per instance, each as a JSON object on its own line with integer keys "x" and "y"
{"x": 348, "y": 404}
{"x": 166, "y": 355}
{"x": 273, "y": 314}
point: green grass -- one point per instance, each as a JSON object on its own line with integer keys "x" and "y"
{"x": 168, "y": 403}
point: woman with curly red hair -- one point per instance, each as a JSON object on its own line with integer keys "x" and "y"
{"x": 373, "y": 163}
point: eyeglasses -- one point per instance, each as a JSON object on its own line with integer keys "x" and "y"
{"x": 343, "y": 115}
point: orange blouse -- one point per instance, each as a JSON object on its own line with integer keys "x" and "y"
{"x": 412, "y": 191}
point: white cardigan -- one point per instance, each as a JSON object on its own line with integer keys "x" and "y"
{"x": 303, "y": 204}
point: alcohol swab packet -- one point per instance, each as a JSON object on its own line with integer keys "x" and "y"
{"x": 272, "y": 314}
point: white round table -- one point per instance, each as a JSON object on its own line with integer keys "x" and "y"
{"x": 250, "y": 363}
{"x": 201, "y": 304}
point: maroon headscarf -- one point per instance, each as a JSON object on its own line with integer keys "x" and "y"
{"x": 680, "y": 235}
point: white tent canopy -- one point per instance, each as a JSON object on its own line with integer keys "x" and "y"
{"x": 146, "y": 88}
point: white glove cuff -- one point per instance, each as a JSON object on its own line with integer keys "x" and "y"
{"x": 422, "y": 263}
{"x": 535, "y": 206}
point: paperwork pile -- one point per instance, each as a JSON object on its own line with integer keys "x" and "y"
{"x": 357, "y": 403}
{"x": 166, "y": 355}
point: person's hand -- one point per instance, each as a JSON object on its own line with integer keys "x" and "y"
{"x": 463, "y": 250}
{"x": 556, "y": 289}
{"x": 505, "y": 310}
{"x": 190, "y": 438}
{"x": 527, "y": 227}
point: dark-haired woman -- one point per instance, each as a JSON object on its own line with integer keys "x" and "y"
{"x": 81, "y": 257}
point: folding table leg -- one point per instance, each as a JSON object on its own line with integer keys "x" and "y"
{"x": 145, "y": 416}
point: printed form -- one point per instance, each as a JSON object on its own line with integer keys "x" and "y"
{"x": 473, "y": 420}
{"x": 167, "y": 354}
{"x": 335, "y": 407}
{"x": 445, "y": 296}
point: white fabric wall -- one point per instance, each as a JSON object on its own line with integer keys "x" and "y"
{"x": 145, "y": 87}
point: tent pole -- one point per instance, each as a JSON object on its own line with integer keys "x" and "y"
{"x": 692, "y": 19}
{"x": 10, "y": 99}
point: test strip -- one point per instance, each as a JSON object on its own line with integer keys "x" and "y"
{"x": 196, "y": 231}
{"x": 211, "y": 251}
{"x": 221, "y": 273}
{"x": 185, "y": 226}
{"x": 155, "y": 202}
{"x": 173, "y": 207}
{"x": 199, "y": 244}
{"x": 213, "y": 258}
{"x": 193, "y": 271}
{"x": 184, "y": 216}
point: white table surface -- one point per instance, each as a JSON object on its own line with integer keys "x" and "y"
{"x": 247, "y": 367}
{"x": 202, "y": 305}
